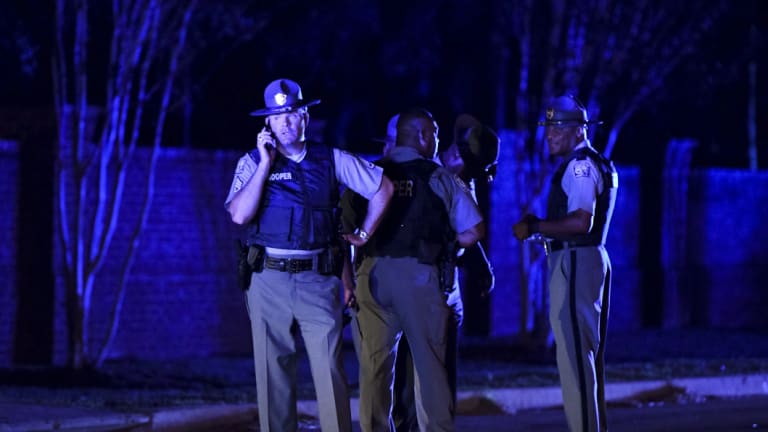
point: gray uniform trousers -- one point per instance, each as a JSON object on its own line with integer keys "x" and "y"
{"x": 580, "y": 280}
{"x": 404, "y": 404}
{"x": 275, "y": 299}
{"x": 400, "y": 295}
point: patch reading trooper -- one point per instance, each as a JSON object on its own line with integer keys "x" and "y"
{"x": 403, "y": 188}
{"x": 581, "y": 169}
{"x": 280, "y": 176}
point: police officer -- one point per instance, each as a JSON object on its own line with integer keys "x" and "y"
{"x": 285, "y": 192}
{"x": 398, "y": 290}
{"x": 472, "y": 157}
{"x": 579, "y": 209}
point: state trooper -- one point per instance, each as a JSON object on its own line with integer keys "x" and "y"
{"x": 579, "y": 209}
{"x": 285, "y": 191}
{"x": 398, "y": 283}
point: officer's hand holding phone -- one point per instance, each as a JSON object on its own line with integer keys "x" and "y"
{"x": 266, "y": 143}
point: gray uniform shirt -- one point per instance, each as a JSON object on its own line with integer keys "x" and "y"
{"x": 354, "y": 172}
{"x": 582, "y": 183}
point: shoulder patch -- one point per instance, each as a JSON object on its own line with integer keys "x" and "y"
{"x": 240, "y": 166}
{"x": 581, "y": 168}
{"x": 367, "y": 163}
{"x": 460, "y": 183}
{"x": 237, "y": 185}
{"x": 243, "y": 172}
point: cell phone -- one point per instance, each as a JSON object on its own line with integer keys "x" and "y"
{"x": 272, "y": 134}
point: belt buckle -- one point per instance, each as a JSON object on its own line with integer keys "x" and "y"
{"x": 293, "y": 266}
{"x": 282, "y": 265}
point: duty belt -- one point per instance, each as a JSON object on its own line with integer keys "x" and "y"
{"x": 556, "y": 245}
{"x": 291, "y": 265}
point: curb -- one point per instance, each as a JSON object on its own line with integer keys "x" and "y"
{"x": 203, "y": 418}
{"x": 101, "y": 421}
{"x": 508, "y": 401}
{"x": 505, "y": 401}
{"x": 511, "y": 400}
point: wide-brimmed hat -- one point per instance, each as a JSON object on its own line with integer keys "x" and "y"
{"x": 566, "y": 110}
{"x": 282, "y": 96}
{"x": 391, "y": 130}
{"x": 479, "y": 149}
{"x": 464, "y": 122}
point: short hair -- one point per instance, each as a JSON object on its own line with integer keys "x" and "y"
{"x": 412, "y": 114}
{"x": 407, "y": 120}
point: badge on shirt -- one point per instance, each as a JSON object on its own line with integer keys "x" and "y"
{"x": 581, "y": 169}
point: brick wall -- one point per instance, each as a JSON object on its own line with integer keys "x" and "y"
{"x": 728, "y": 244}
{"x": 9, "y": 171}
{"x": 624, "y": 249}
{"x": 181, "y": 297}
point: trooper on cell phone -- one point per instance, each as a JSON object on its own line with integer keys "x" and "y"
{"x": 285, "y": 193}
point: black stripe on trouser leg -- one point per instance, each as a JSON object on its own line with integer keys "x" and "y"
{"x": 577, "y": 344}
{"x": 600, "y": 361}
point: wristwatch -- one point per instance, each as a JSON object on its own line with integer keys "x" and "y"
{"x": 363, "y": 234}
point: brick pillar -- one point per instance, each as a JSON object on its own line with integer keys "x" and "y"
{"x": 677, "y": 296}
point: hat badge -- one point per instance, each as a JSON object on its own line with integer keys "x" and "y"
{"x": 281, "y": 98}
{"x": 550, "y": 113}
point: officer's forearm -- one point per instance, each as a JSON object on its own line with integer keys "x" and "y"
{"x": 576, "y": 222}
{"x": 377, "y": 205}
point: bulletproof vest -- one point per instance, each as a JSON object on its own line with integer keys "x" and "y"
{"x": 416, "y": 224}
{"x": 299, "y": 203}
{"x": 557, "y": 204}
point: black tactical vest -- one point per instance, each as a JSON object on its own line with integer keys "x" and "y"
{"x": 557, "y": 204}
{"x": 416, "y": 224}
{"x": 299, "y": 202}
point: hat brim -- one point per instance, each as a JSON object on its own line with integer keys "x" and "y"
{"x": 569, "y": 122}
{"x": 284, "y": 108}
{"x": 382, "y": 139}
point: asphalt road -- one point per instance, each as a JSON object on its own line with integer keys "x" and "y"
{"x": 712, "y": 415}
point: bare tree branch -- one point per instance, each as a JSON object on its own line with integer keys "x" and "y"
{"x": 139, "y": 228}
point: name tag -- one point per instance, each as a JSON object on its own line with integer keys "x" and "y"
{"x": 280, "y": 176}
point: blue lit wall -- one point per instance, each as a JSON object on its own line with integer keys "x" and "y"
{"x": 728, "y": 244}
{"x": 9, "y": 170}
{"x": 182, "y": 300}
